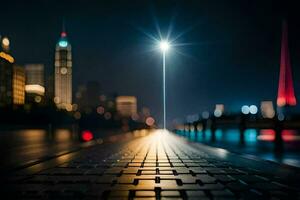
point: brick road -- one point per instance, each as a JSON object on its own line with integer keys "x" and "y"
{"x": 158, "y": 165}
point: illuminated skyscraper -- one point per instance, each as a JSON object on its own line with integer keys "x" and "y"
{"x": 286, "y": 94}
{"x": 18, "y": 85}
{"x": 63, "y": 73}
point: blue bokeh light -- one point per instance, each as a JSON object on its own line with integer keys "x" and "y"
{"x": 253, "y": 109}
{"x": 245, "y": 110}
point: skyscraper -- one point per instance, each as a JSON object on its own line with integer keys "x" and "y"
{"x": 286, "y": 94}
{"x": 63, "y": 73}
{"x": 34, "y": 87}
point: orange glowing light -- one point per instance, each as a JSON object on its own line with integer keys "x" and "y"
{"x": 7, "y": 57}
{"x": 35, "y": 89}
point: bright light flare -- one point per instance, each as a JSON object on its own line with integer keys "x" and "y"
{"x": 164, "y": 46}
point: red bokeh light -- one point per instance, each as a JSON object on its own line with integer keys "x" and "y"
{"x": 287, "y": 135}
{"x": 150, "y": 121}
{"x": 267, "y": 135}
{"x": 87, "y": 135}
{"x": 63, "y": 34}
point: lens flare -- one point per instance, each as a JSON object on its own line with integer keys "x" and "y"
{"x": 164, "y": 46}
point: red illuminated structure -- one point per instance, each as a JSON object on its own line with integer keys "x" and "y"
{"x": 286, "y": 95}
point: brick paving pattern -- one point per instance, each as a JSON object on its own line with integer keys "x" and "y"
{"x": 157, "y": 166}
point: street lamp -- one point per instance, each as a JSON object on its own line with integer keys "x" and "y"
{"x": 164, "y": 46}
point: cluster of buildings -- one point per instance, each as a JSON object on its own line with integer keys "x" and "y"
{"x": 20, "y": 85}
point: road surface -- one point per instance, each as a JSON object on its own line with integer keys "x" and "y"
{"x": 150, "y": 165}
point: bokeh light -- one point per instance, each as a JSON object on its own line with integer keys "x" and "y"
{"x": 253, "y": 109}
{"x": 150, "y": 121}
{"x": 245, "y": 110}
{"x": 87, "y": 135}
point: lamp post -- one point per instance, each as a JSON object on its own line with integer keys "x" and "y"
{"x": 164, "y": 46}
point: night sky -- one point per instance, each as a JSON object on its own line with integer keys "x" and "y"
{"x": 231, "y": 57}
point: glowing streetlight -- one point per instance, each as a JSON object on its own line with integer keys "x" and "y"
{"x": 164, "y": 46}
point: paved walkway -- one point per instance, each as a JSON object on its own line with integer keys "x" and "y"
{"x": 159, "y": 165}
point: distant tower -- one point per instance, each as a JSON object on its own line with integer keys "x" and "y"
{"x": 6, "y": 73}
{"x": 286, "y": 95}
{"x": 63, "y": 73}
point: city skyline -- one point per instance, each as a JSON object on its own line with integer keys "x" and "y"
{"x": 156, "y": 99}
{"x": 93, "y": 53}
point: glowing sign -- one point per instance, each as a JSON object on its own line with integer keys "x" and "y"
{"x": 7, "y": 57}
{"x": 35, "y": 89}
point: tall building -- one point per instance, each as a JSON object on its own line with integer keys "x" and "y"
{"x": 6, "y": 73}
{"x": 286, "y": 94}
{"x": 18, "y": 85}
{"x": 34, "y": 87}
{"x": 126, "y": 105}
{"x": 63, "y": 73}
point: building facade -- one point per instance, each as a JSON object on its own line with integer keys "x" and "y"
{"x": 126, "y": 105}
{"x": 18, "y": 85}
{"x": 35, "y": 89}
{"x": 35, "y": 79}
{"x": 63, "y": 73}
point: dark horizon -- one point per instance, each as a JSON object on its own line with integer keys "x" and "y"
{"x": 230, "y": 42}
